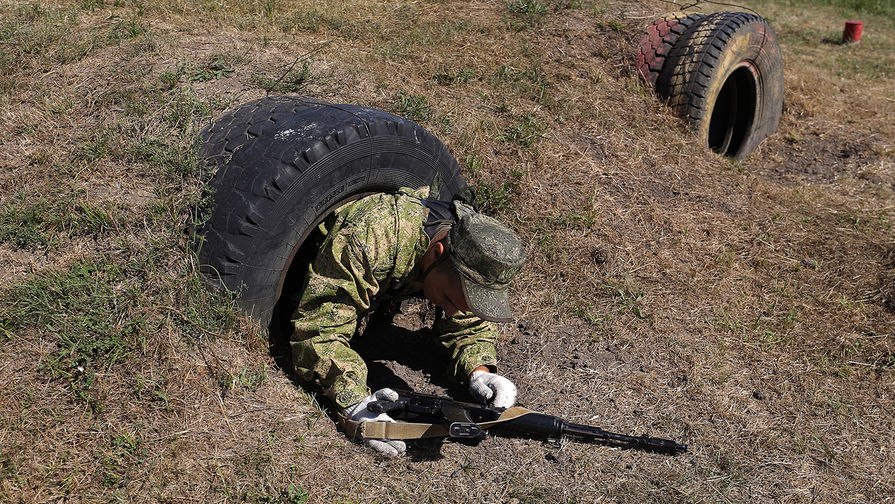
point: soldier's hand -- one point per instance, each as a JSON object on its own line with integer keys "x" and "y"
{"x": 358, "y": 412}
{"x": 492, "y": 388}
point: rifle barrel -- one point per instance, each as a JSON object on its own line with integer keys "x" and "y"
{"x": 590, "y": 432}
{"x": 539, "y": 424}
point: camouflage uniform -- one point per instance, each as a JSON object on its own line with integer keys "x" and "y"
{"x": 372, "y": 246}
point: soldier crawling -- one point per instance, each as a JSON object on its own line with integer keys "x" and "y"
{"x": 406, "y": 244}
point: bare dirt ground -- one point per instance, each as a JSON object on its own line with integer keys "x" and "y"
{"x": 744, "y": 308}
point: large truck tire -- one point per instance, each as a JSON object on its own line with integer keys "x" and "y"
{"x": 724, "y": 75}
{"x": 281, "y": 164}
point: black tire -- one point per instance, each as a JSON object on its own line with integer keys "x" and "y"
{"x": 284, "y": 163}
{"x": 724, "y": 75}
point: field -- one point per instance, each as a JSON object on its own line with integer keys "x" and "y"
{"x": 745, "y": 308}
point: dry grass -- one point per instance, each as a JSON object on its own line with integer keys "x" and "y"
{"x": 744, "y": 308}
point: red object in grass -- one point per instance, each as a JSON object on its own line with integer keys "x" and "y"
{"x": 853, "y": 30}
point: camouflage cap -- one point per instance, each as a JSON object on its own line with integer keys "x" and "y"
{"x": 488, "y": 255}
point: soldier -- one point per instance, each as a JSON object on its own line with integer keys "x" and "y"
{"x": 405, "y": 244}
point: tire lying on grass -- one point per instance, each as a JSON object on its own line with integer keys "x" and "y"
{"x": 723, "y": 73}
{"x": 281, "y": 164}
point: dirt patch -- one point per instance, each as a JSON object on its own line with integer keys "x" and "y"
{"x": 402, "y": 352}
{"x": 820, "y": 158}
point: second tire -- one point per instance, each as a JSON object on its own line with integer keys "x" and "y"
{"x": 724, "y": 75}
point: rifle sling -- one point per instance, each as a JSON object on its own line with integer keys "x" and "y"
{"x": 411, "y": 430}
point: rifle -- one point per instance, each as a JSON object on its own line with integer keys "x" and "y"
{"x": 423, "y": 415}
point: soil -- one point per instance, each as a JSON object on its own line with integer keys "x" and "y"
{"x": 402, "y": 352}
{"x": 821, "y": 157}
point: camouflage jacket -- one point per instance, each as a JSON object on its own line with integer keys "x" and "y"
{"x": 373, "y": 246}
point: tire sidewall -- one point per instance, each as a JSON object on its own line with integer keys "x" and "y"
{"x": 749, "y": 47}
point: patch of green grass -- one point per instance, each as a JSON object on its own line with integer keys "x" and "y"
{"x": 246, "y": 378}
{"x": 533, "y": 495}
{"x": 21, "y": 224}
{"x": 77, "y": 50}
{"x": 122, "y": 455}
{"x": 725, "y": 319}
{"x": 269, "y": 8}
{"x": 394, "y": 48}
{"x": 412, "y": 106}
{"x": 525, "y": 133}
{"x": 726, "y": 258}
{"x": 215, "y": 67}
{"x": 200, "y": 313}
{"x": 610, "y": 23}
{"x": 526, "y": 12}
{"x": 771, "y": 327}
{"x": 171, "y": 78}
{"x": 530, "y": 83}
{"x": 587, "y": 313}
{"x": 92, "y": 5}
{"x": 850, "y": 65}
{"x": 433, "y": 34}
{"x": 472, "y": 164}
{"x": 95, "y": 149}
{"x": 547, "y": 241}
{"x": 312, "y": 20}
{"x": 627, "y": 295}
{"x": 26, "y": 222}
{"x": 99, "y": 312}
{"x": 152, "y": 392}
{"x": 460, "y": 76}
{"x": 61, "y": 106}
{"x": 31, "y": 32}
{"x": 865, "y": 223}
{"x": 293, "y": 81}
{"x": 174, "y": 155}
{"x": 493, "y": 197}
{"x": 806, "y": 34}
{"x": 127, "y": 29}
{"x": 293, "y": 494}
{"x": 584, "y": 218}
{"x": 885, "y": 8}
{"x": 5, "y": 330}
{"x": 185, "y": 111}
{"x": 83, "y": 311}
{"x": 168, "y": 157}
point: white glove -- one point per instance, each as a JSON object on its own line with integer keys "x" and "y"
{"x": 485, "y": 386}
{"x": 358, "y": 412}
